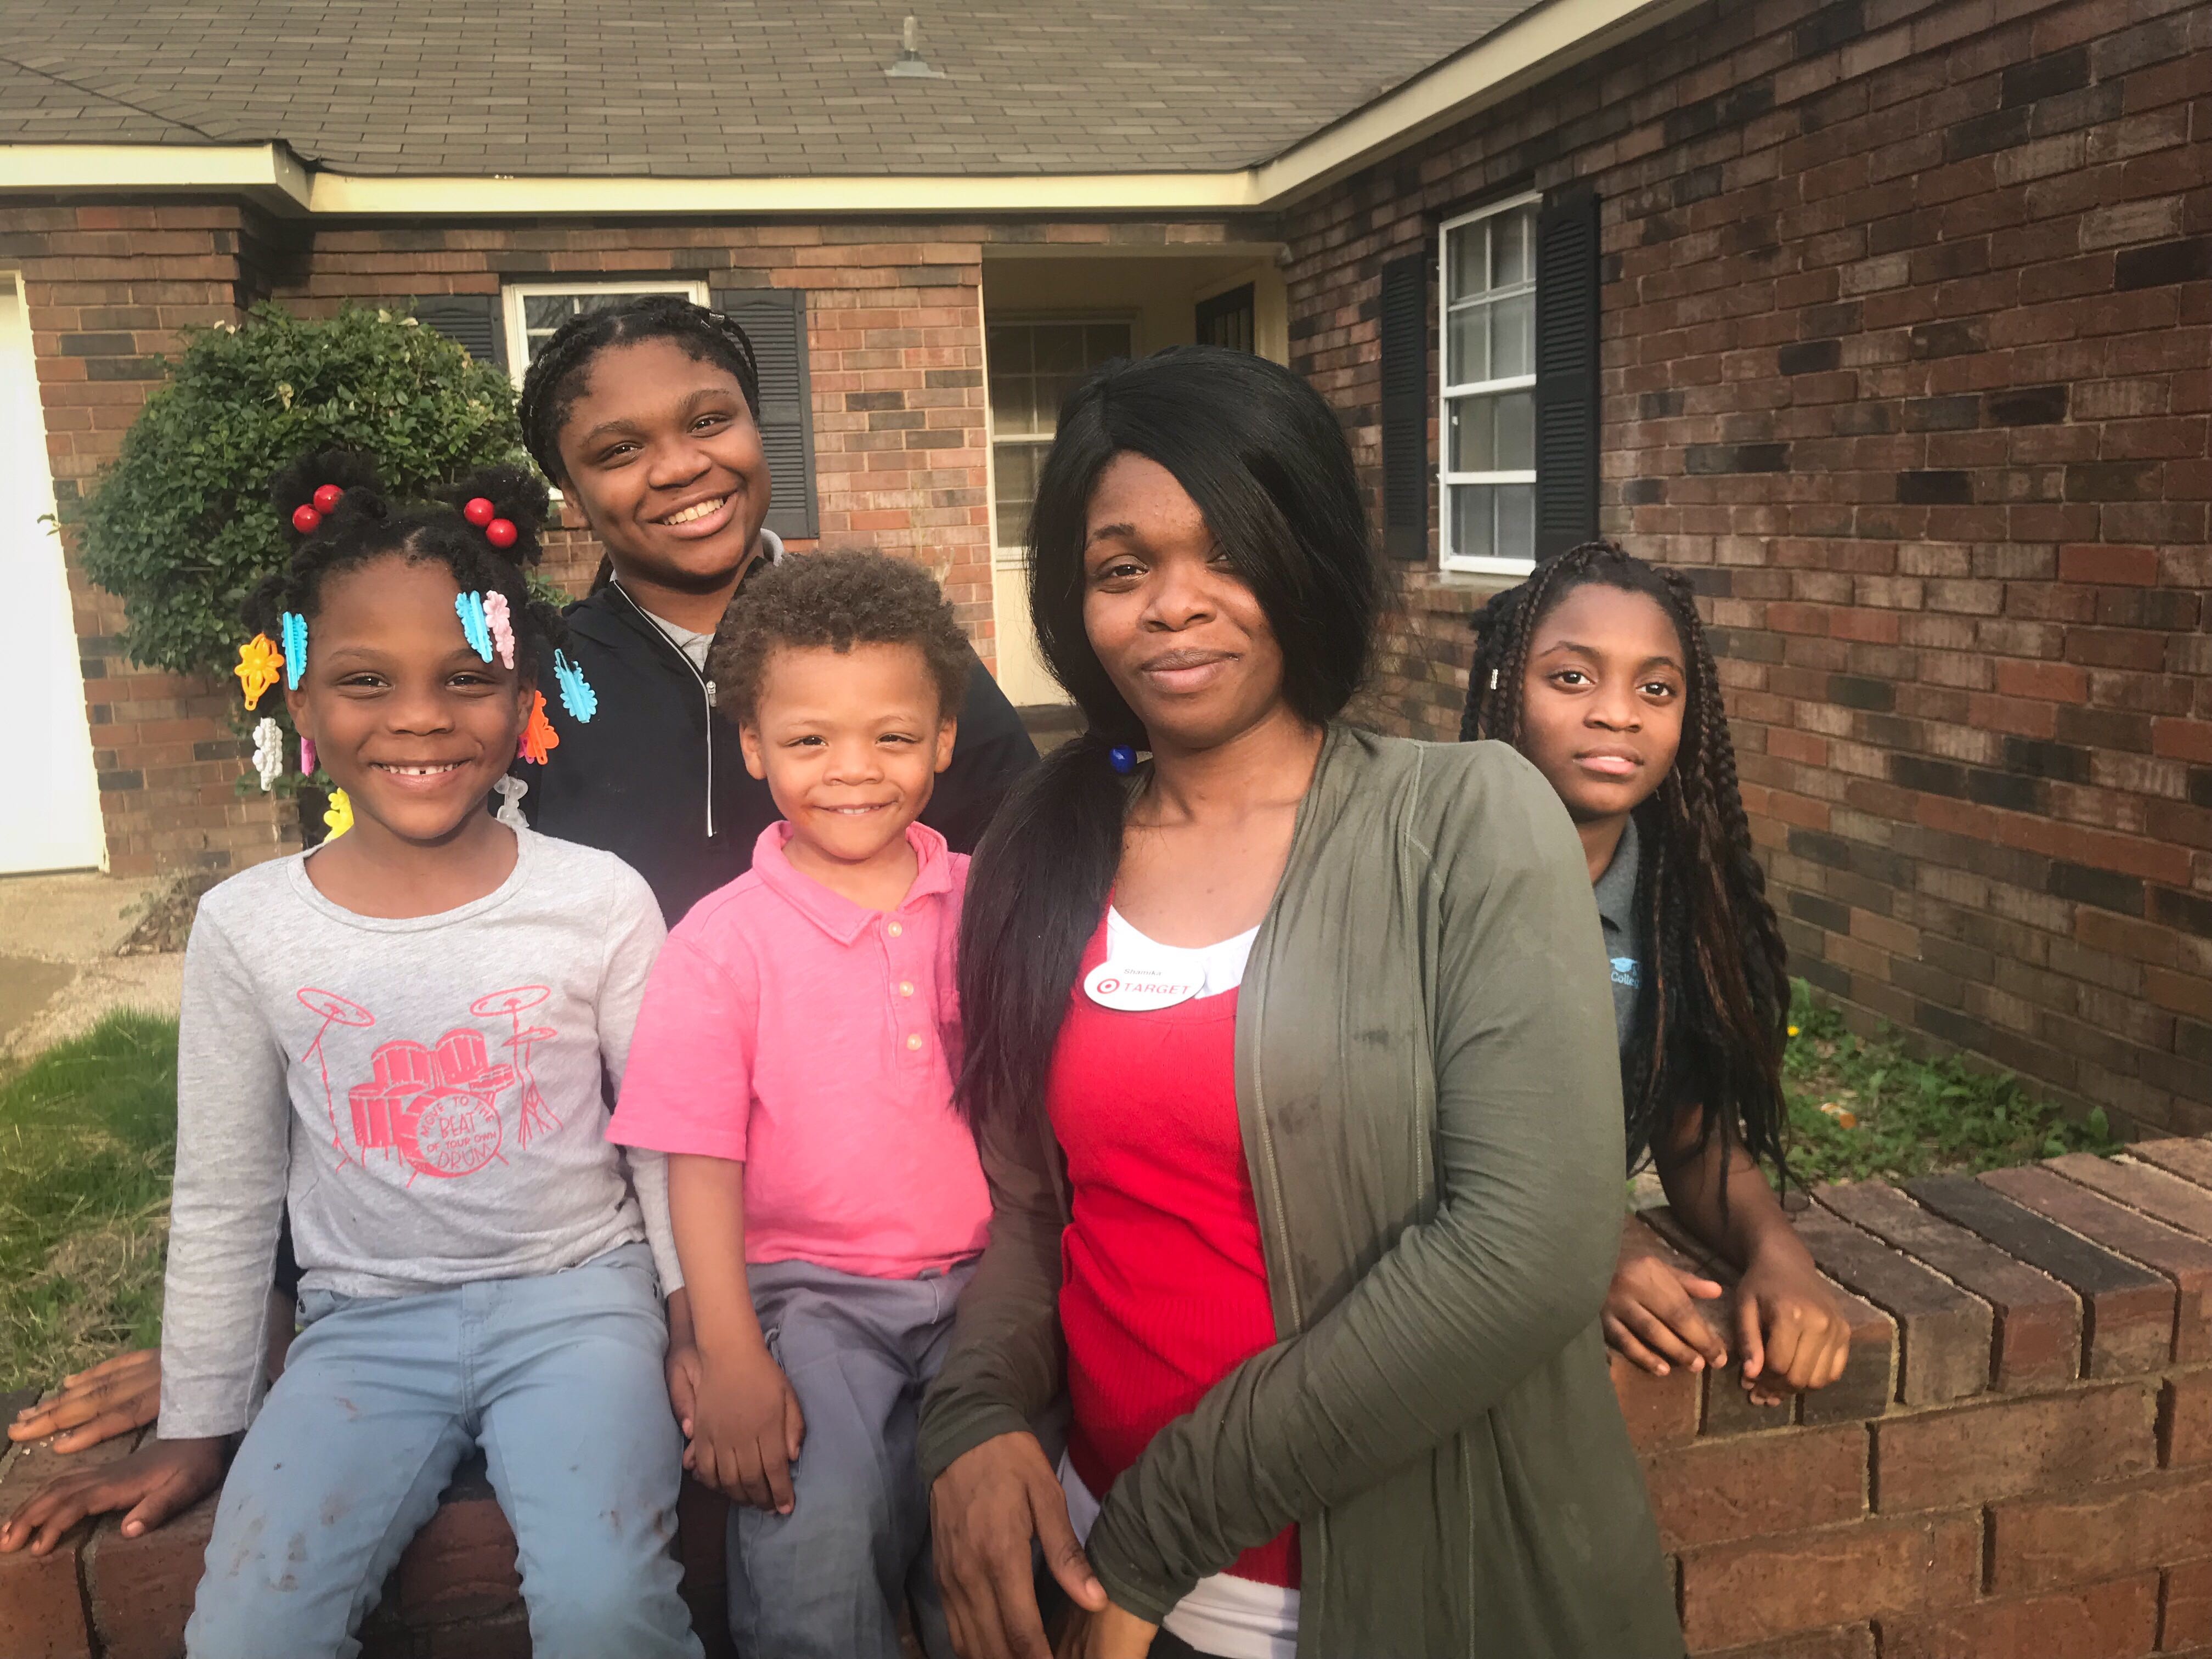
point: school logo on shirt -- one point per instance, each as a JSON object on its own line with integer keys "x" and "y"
{"x": 435, "y": 1107}
{"x": 1625, "y": 972}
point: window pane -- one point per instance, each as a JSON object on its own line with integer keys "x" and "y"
{"x": 1103, "y": 342}
{"x": 1512, "y": 350}
{"x": 1471, "y": 538}
{"x": 1516, "y": 521}
{"x": 1509, "y": 248}
{"x": 1009, "y": 350}
{"x": 1516, "y": 432}
{"x": 1013, "y": 411}
{"x": 1465, "y": 268}
{"x": 1060, "y": 346}
{"x": 1467, "y": 346}
{"x": 543, "y": 310}
{"x": 1472, "y": 439}
{"x": 1014, "y": 472}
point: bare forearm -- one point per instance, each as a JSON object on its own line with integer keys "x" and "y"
{"x": 707, "y": 1207}
{"x": 1750, "y": 1221}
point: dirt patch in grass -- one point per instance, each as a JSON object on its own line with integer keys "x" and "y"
{"x": 88, "y": 1145}
{"x": 1863, "y": 1107}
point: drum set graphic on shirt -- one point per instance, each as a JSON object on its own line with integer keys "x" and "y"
{"x": 435, "y": 1107}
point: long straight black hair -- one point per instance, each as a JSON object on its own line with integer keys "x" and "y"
{"x": 1262, "y": 457}
{"x": 1712, "y": 1010}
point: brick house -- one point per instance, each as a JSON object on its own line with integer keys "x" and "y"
{"x": 1891, "y": 320}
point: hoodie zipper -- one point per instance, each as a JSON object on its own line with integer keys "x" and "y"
{"x": 706, "y": 689}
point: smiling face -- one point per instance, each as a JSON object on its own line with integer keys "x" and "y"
{"x": 850, "y": 743}
{"x": 1602, "y": 699}
{"x": 404, "y": 716}
{"x": 1183, "y": 638}
{"x": 661, "y": 451}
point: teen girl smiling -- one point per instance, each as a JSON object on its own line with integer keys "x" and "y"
{"x": 1598, "y": 669}
{"x": 1304, "y": 1170}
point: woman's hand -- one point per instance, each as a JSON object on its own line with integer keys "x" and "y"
{"x": 747, "y": 1430}
{"x": 1112, "y": 1634}
{"x": 159, "y": 1480}
{"x": 984, "y": 1511}
{"x": 112, "y": 1398}
{"x": 1651, "y": 1316}
{"x": 1793, "y": 1334}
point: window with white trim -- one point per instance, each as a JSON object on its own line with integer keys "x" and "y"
{"x": 1035, "y": 362}
{"x": 535, "y": 309}
{"x": 1487, "y": 282}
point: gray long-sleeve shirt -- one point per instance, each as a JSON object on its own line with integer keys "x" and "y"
{"x": 424, "y": 1094}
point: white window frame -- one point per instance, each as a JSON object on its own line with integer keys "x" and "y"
{"x": 511, "y": 298}
{"x": 1446, "y": 392}
{"x": 1012, "y": 558}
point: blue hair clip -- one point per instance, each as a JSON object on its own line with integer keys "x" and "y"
{"x": 576, "y": 693}
{"x": 1121, "y": 758}
{"x": 294, "y": 627}
{"x": 469, "y": 607}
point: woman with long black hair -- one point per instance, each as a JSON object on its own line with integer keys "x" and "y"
{"x": 1284, "y": 1050}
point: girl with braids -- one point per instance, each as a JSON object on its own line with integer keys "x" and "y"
{"x": 399, "y": 1037}
{"x": 644, "y": 413}
{"x": 1598, "y": 669}
{"x": 1302, "y": 1166}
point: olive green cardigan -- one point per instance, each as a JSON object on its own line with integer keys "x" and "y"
{"x": 1430, "y": 1105}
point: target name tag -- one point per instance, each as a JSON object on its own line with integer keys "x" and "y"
{"x": 1135, "y": 990}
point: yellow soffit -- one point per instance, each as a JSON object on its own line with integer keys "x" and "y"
{"x": 1540, "y": 44}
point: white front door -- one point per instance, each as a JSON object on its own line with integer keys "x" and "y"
{"x": 49, "y": 799}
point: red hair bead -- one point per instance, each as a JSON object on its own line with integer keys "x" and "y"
{"x": 500, "y": 532}
{"x": 327, "y": 497}
{"x": 478, "y": 510}
{"x": 306, "y": 520}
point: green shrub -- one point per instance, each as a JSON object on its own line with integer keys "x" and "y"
{"x": 180, "y": 528}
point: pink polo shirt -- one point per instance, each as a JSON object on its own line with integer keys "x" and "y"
{"x": 788, "y": 1029}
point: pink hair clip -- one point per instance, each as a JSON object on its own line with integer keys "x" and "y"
{"x": 502, "y": 629}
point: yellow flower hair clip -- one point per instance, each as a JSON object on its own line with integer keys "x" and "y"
{"x": 338, "y": 818}
{"x": 260, "y": 665}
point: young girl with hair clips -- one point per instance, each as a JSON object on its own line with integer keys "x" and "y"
{"x": 398, "y": 1038}
{"x": 1276, "y": 1048}
{"x": 1598, "y": 669}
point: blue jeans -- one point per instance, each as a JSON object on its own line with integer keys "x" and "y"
{"x": 558, "y": 1377}
{"x": 827, "y": 1581}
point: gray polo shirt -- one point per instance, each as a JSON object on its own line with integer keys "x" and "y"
{"x": 1623, "y": 944}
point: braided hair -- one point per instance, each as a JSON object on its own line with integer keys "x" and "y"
{"x": 1713, "y": 1006}
{"x": 367, "y": 524}
{"x": 558, "y": 374}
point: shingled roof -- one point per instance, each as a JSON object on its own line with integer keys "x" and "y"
{"x": 721, "y": 88}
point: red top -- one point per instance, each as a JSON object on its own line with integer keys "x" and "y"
{"x": 1163, "y": 1288}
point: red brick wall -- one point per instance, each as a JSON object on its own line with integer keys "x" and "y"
{"x": 107, "y": 288}
{"x": 2016, "y": 1462}
{"x": 1906, "y": 354}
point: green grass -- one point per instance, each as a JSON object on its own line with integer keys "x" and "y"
{"x": 1890, "y": 1115}
{"x": 88, "y": 1140}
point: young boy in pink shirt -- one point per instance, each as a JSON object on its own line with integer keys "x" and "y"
{"x": 794, "y": 1055}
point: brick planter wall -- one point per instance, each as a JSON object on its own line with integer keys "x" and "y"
{"x": 1905, "y": 357}
{"x": 2016, "y": 1464}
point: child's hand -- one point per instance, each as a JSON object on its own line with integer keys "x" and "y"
{"x": 112, "y": 1398}
{"x": 1793, "y": 1334}
{"x": 1651, "y": 1316}
{"x": 684, "y": 1373}
{"x": 156, "y": 1481}
{"x": 1112, "y": 1634}
{"x": 748, "y": 1430}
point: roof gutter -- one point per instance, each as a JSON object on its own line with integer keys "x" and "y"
{"x": 1539, "y": 43}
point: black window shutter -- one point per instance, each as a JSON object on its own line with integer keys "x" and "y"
{"x": 1405, "y": 323}
{"x": 1567, "y": 370}
{"x": 775, "y": 319}
{"x": 471, "y": 321}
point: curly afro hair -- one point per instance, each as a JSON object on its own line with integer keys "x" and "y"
{"x": 836, "y": 601}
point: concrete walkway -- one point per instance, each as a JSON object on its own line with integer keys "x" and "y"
{"x": 59, "y": 969}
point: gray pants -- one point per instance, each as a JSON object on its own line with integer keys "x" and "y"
{"x": 828, "y": 1580}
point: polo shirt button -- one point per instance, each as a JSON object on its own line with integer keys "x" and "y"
{"x": 894, "y": 929}
{"x": 906, "y": 988}
{"x": 914, "y": 1041}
